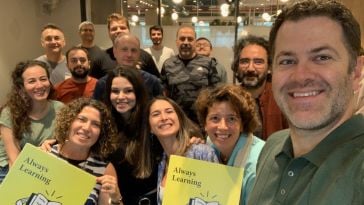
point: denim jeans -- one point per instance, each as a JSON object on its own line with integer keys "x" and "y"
{"x": 3, "y": 172}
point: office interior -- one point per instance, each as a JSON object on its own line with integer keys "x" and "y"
{"x": 22, "y": 22}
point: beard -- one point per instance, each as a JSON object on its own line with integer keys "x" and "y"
{"x": 251, "y": 80}
{"x": 157, "y": 42}
{"x": 80, "y": 72}
{"x": 186, "y": 51}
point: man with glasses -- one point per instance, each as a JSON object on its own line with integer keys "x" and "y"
{"x": 251, "y": 68}
{"x": 53, "y": 41}
{"x": 80, "y": 84}
{"x": 204, "y": 47}
{"x": 101, "y": 63}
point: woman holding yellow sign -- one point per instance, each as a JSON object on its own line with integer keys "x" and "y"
{"x": 229, "y": 118}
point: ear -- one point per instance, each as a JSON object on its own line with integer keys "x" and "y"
{"x": 357, "y": 72}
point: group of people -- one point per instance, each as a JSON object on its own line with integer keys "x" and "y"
{"x": 135, "y": 116}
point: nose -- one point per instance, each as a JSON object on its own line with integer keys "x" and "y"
{"x": 86, "y": 125}
{"x": 121, "y": 95}
{"x": 302, "y": 72}
{"x": 163, "y": 116}
{"x": 251, "y": 66}
{"x": 222, "y": 124}
{"x": 38, "y": 84}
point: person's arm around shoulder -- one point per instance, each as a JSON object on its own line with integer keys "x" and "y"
{"x": 109, "y": 192}
{"x": 11, "y": 144}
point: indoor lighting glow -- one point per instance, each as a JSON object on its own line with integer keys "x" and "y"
{"x": 134, "y": 18}
{"x": 239, "y": 19}
{"x": 266, "y": 16}
{"x": 177, "y": 1}
{"x": 194, "y": 19}
{"x": 174, "y": 16}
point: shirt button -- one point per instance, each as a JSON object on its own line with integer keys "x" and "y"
{"x": 291, "y": 173}
{"x": 283, "y": 191}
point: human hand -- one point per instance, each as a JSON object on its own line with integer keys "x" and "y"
{"x": 110, "y": 186}
{"x": 47, "y": 144}
{"x": 197, "y": 140}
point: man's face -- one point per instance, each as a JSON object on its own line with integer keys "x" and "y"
{"x": 52, "y": 40}
{"x": 186, "y": 43}
{"x": 78, "y": 64}
{"x": 156, "y": 36}
{"x": 253, "y": 66}
{"x": 203, "y": 47}
{"x": 311, "y": 83}
{"x": 116, "y": 28}
{"x": 127, "y": 51}
{"x": 87, "y": 33}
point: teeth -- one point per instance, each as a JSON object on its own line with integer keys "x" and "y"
{"x": 313, "y": 93}
{"x": 222, "y": 136}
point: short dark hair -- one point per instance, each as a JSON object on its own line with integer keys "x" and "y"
{"x": 245, "y": 41}
{"x": 157, "y": 28}
{"x": 321, "y": 8}
{"x": 51, "y": 26}
{"x": 206, "y": 39}
{"x": 77, "y": 48}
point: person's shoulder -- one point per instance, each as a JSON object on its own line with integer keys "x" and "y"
{"x": 148, "y": 50}
{"x": 277, "y": 139}
{"x": 57, "y": 105}
{"x": 42, "y": 58}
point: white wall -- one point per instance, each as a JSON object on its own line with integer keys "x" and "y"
{"x": 21, "y": 21}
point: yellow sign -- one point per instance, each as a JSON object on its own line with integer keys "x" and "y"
{"x": 41, "y": 178}
{"x": 196, "y": 182}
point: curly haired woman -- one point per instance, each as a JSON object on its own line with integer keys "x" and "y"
{"x": 28, "y": 115}
{"x": 86, "y": 136}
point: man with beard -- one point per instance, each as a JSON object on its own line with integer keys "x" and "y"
{"x": 320, "y": 158}
{"x": 80, "y": 84}
{"x": 251, "y": 68}
{"x": 185, "y": 74}
{"x": 53, "y": 41}
{"x": 101, "y": 63}
{"x": 159, "y": 52}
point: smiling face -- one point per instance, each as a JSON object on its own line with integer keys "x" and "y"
{"x": 253, "y": 66}
{"x": 127, "y": 50}
{"x": 163, "y": 120}
{"x": 116, "y": 28}
{"x": 78, "y": 63}
{"x": 122, "y": 96}
{"x": 52, "y": 40}
{"x": 85, "y": 129}
{"x": 223, "y": 126}
{"x": 87, "y": 33}
{"x": 156, "y": 36}
{"x": 311, "y": 82}
{"x": 186, "y": 40}
{"x": 36, "y": 83}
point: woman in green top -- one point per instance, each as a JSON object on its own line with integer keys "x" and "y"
{"x": 28, "y": 115}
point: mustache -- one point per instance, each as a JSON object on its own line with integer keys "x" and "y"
{"x": 305, "y": 84}
{"x": 186, "y": 46}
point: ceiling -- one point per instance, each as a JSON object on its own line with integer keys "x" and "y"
{"x": 188, "y": 8}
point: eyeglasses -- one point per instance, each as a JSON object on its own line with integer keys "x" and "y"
{"x": 75, "y": 60}
{"x": 257, "y": 62}
{"x": 199, "y": 45}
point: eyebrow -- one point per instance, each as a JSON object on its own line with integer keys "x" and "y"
{"x": 322, "y": 48}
